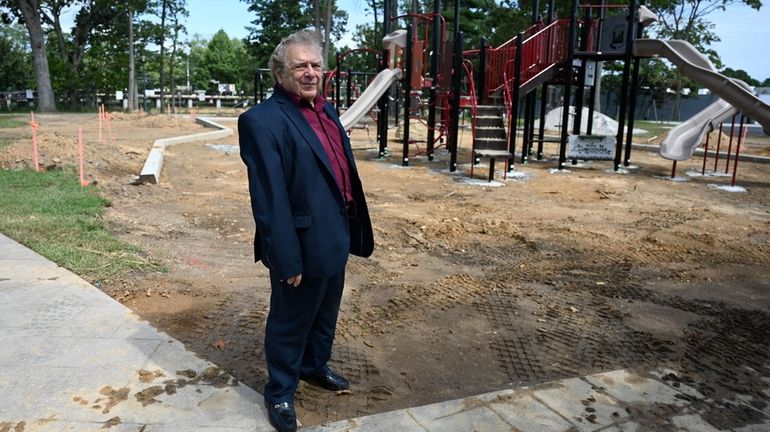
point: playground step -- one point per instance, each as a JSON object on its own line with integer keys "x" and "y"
{"x": 490, "y": 132}
{"x": 488, "y": 144}
{"x": 489, "y": 122}
{"x": 492, "y": 153}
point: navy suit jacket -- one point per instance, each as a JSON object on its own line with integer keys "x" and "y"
{"x": 303, "y": 226}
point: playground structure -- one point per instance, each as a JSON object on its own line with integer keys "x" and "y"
{"x": 494, "y": 85}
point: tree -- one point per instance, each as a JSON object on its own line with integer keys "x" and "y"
{"x": 29, "y": 12}
{"x": 177, "y": 10}
{"x": 16, "y": 67}
{"x": 133, "y": 101}
{"x": 687, "y": 20}
{"x": 741, "y": 75}
{"x": 161, "y": 39}
{"x": 274, "y": 19}
{"x": 221, "y": 58}
{"x": 199, "y": 72}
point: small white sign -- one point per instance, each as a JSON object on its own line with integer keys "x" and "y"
{"x": 119, "y": 95}
{"x": 595, "y": 147}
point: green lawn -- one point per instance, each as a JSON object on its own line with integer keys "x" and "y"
{"x": 52, "y": 214}
{"x": 10, "y": 122}
{"x": 653, "y": 128}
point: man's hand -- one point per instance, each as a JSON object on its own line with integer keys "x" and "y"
{"x": 294, "y": 280}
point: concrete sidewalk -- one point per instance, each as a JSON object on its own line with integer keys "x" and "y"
{"x": 74, "y": 359}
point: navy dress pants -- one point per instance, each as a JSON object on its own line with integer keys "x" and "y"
{"x": 300, "y": 332}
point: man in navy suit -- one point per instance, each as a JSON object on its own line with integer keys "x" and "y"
{"x": 310, "y": 213}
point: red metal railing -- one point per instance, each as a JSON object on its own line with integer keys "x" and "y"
{"x": 508, "y": 100}
{"x": 542, "y": 47}
{"x": 468, "y": 66}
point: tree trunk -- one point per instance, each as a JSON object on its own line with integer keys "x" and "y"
{"x": 162, "y": 38}
{"x": 132, "y": 99}
{"x": 598, "y": 92}
{"x": 45, "y": 99}
{"x": 317, "y": 17}
{"x": 327, "y": 30}
{"x": 172, "y": 60}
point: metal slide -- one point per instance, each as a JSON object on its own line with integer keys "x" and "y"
{"x": 379, "y": 85}
{"x": 737, "y": 96}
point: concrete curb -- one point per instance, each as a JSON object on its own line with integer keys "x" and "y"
{"x": 154, "y": 162}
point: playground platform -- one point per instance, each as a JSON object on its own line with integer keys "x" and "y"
{"x": 74, "y": 359}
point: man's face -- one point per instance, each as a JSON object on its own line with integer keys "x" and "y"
{"x": 303, "y": 71}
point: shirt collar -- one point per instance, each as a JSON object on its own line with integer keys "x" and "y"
{"x": 318, "y": 102}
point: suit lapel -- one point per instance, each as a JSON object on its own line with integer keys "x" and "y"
{"x": 292, "y": 112}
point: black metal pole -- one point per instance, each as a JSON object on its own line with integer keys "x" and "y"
{"x": 632, "y": 103}
{"x": 455, "y": 112}
{"x": 624, "y": 87}
{"x": 435, "y": 53}
{"x": 597, "y": 77}
{"x": 256, "y": 86}
{"x": 457, "y": 17}
{"x": 349, "y": 89}
{"x": 568, "y": 85}
{"x": 529, "y": 117}
{"x": 515, "y": 105}
{"x": 544, "y": 93}
{"x": 337, "y": 84}
{"x": 580, "y": 88}
{"x": 382, "y": 116}
{"x": 407, "y": 91}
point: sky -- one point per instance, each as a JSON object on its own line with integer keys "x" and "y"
{"x": 744, "y": 31}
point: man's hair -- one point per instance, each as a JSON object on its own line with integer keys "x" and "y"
{"x": 277, "y": 63}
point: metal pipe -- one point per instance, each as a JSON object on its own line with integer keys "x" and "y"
{"x": 515, "y": 101}
{"x": 568, "y": 84}
{"x": 730, "y": 145}
{"x": 435, "y": 43}
{"x": 719, "y": 144}
{"x": 407, "y": 93}
{"x": 455, "y": 114}
{"x": 624, "y": 88}
{"x": 705, "y": 154}
{"x": 741, "y": 138}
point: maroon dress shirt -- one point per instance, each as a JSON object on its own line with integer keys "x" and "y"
{"x": 329, "y": 134}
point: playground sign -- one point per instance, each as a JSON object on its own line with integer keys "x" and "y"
{"x": 614, "y": 34}
{"x": 595, "y": 147}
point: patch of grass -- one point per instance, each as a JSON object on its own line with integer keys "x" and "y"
{"x": 10, "y": 122}
{"x": 653, "y": 128}
{"x": 59, "y": 219}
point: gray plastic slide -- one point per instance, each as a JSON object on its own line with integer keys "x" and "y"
{"x": 681, "y": 142}
{"x": 379, "y": 85}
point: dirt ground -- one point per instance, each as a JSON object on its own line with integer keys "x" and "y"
{"x": 473, "y": 287}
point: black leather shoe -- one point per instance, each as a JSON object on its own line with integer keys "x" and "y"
{"x": 282, "y": 416}
{"x": 328, "y": 380}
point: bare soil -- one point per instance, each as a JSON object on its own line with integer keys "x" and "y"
{"x": 472, "y": 288}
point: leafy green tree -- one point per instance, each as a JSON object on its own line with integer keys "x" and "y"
{"x": 273, "y": 20}
{"x": 221, "y": 58}
{"x": 199, "y": 73}
{"x": 29, "y": 12}
{"x": 16, "y": 69}
{"x": 688, "y": 20}
{"x": 741, "y": 75}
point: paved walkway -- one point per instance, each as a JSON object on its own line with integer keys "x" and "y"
{"x": 74, "y": 359}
